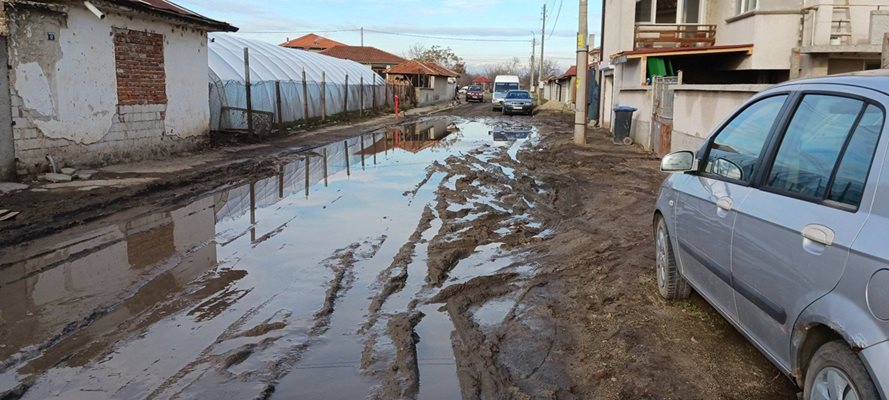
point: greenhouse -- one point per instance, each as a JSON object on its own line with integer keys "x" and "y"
{"x": 308, "y": 85}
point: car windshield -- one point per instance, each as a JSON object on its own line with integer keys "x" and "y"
{"x": 518, "y": 95}
{"x": 475, "y": 88}
{"x": 505, "y": 87}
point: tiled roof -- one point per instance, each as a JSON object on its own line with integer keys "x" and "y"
{"x": 366, "y": 54}
{"x": 414, "y": 67}
{"x": 172, "y": 9}
{"x": 311, "y": 41}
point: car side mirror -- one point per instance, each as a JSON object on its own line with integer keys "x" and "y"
{"x": 680, "y": 161}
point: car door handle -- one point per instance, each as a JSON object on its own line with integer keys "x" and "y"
{"x": 819, "y": 234}
{"x": 725, "y": 203}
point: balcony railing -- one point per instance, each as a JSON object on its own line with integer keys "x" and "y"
{"x": 673, "y": 35}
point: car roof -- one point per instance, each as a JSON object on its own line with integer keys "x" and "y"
{"x": 877, "y": 79}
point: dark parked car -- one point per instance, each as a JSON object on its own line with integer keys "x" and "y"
{"x": 475, "y": 94}
{"x": 780, "y": 221}
{"x": 518, "y": 101}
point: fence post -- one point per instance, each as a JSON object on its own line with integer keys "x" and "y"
{"x": 305, "y": 98}
{"x": 278, "y": 104}
{"x": 386, "y": 96}
{"x": 374, "y": 93}
{"x": 247, "y": 82}
{"x": 323, "y": 96}
{"x": 361, "y": 96}
{"x": 346, "y": 96}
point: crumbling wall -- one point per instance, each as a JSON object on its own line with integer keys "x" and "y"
{"x": 91, "y": 92}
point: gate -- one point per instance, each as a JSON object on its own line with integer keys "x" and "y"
{"x": 662, "y": 113}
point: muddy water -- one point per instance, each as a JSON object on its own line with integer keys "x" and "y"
{"x": 312, "y": 283}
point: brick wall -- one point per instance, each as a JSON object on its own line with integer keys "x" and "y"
{"x": 139, "y": 59}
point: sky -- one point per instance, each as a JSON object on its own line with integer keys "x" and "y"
{"x": 483, "y": 32}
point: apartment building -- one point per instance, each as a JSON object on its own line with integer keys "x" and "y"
{"x": 686, "y": 64}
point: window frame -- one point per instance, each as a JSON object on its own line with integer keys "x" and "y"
{"x": 742, "y": 6}
{"x": 757, "y": 167}
{"x": 767, "y": 161}
{"x": 680, "y": 14}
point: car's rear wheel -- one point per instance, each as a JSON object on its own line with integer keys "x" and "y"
{"x": 836, "y": 373}
{"x": 670, "y": 282}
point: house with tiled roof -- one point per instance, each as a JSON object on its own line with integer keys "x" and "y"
{"x": 311, "y": 42}
{"x": 100, "y": 81}
{"x": 377, "y": 60}
{"x": 432, "y": 82}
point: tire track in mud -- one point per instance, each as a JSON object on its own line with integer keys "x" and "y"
{"x": 214, "y": 367}
{"x": 485, "y": 207}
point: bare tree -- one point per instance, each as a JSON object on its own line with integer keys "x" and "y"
{"x": 443, "y": 56}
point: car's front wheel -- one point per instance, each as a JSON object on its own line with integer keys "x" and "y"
{"x": 836, "y": 373}
{"x": 670, "y": 282}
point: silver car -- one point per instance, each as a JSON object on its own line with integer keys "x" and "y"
{"x": 781, "y": 221}
{"x": 518, "y": 102}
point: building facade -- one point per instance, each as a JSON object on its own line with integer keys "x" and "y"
{"x": 716, "y": 53}
{"x": 126, "y": 81}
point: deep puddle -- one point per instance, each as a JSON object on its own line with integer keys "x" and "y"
{"x": 262, "y": 288}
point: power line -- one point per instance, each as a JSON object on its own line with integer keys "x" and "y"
{"x": 449, "y": 37}
{"x": 467, "y": 39}
{"x": 553, "y": 30}
{"x": 282, "y": 32}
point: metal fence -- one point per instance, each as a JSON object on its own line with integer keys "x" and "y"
{"x": 273, "y": 104}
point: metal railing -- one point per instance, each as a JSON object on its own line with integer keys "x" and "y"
{"x": 673, "y": 35}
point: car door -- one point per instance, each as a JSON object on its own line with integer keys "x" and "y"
{"x": 704, "y": 212}
{"x": 792, "y": 235}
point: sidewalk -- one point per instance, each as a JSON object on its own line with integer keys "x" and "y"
{"x": 46, "y": 207}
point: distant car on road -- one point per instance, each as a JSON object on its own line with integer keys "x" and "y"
{"x": 475, "y": 94}
{"x": 463, "y": 90}
{"x": 502, "y": 85}
{"x": 517, "y": 102}
{"x": 780, "y": 221}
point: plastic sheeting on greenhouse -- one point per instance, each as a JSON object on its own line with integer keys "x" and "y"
{"x": 270, "y": 64}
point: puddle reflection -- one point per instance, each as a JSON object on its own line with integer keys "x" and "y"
{"x": 128, "y": 304}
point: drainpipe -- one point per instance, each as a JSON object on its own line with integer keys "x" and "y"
{"x": 599, "y": 76}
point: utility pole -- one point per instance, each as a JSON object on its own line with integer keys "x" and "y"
{"x": 580, "y": 104}
{"x": 540, "y": 68}
{"x": 362, "y": 36}
{"x": 533, "y": 50}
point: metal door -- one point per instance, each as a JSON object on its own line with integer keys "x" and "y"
{"x": 662, "y": 113}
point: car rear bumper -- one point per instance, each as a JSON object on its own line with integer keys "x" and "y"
{"x": 876, "y": 358}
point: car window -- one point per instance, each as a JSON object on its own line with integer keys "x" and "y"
{"x": 736, "y": 148}
{"x": 518, "y": 95}
{"x": 505, "y": 87}
{"x": 848, "y": 184}
{"x": 812, "y": 144}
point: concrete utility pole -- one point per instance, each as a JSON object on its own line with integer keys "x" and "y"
{"x": 885, "y": 59}
{"x": 533, "y": 50}
{"x": 580, "y": 104}
{"x": 542, "y": 40}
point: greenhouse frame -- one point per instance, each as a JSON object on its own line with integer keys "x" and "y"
{"x": 309, "y": 85}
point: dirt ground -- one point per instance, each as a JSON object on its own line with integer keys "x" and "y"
{"x": 571, "y": 310}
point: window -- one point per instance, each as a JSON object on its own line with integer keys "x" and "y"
{"x": 812, "y": 144}
{"x": 502, "y": 87}
{"x": 743, "y": 6}
{"x": 668, "y": 11}
{"x": 848, "y": 184}
{"x": 643, "y": 11}
{"x": 691, "y": 12}
{"x": 736, "y": 148}
{"x": 518, "y": 94}
{"x": 665, "y": 11}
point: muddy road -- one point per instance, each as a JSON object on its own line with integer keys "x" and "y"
{"x": 466, "y": 255}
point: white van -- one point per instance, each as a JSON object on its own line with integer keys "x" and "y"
{"x": 503, "y": 84}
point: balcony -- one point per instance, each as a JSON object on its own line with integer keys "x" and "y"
{"x": 648, "y": 36}
{"x": 854, "y": 28}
